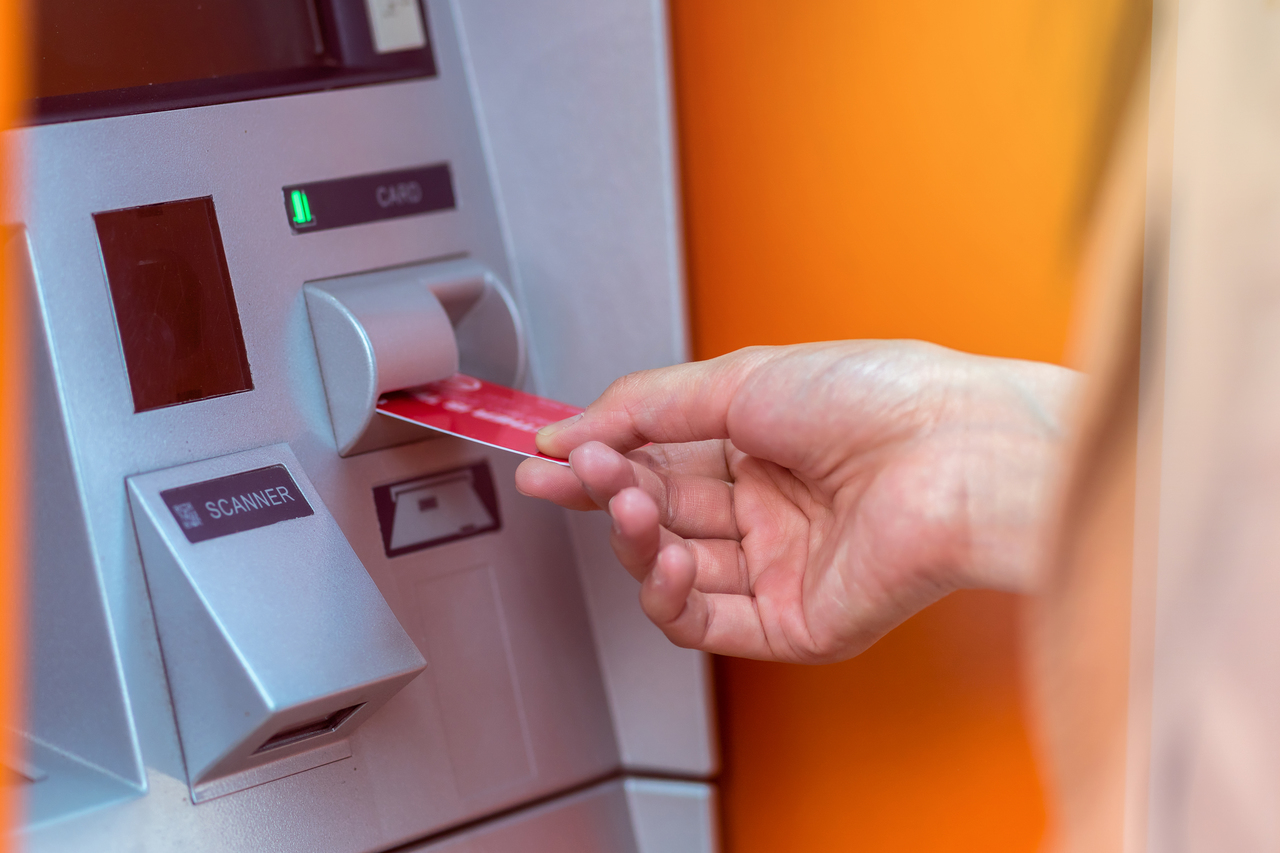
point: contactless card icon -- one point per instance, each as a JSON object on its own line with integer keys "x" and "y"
{"x": 433, "y": 509}
{"x": 187, "y": 516}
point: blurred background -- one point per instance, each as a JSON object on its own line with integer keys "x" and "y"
{"x": 888, "y": 169}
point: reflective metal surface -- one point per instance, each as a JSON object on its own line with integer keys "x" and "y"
{"x": 542, "y": 675}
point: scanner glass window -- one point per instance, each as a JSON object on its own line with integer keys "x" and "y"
{"x": 174, "y": 306}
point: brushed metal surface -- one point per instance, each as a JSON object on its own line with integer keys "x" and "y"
{"x": 566, "y": 194}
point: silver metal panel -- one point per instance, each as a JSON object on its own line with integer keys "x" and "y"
{"x": 592, "y": 821}
{"x": 77, "y": 726}
{"x": 415, "y": 767}
{"x": 574, "y": 98}
{"x": 401, "y": 782}
{"x": 620, "y": 816}
{"x": 516, "y": 704}
{"x": 672, "y": 817}
{"x": 575, "y": 102}
{"x": 660, "y": 695}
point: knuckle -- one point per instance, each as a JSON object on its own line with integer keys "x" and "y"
{"x": 669, "y": 505}
{"x": 625, "y": 387}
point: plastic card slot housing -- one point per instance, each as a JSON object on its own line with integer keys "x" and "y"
{"x": 391, "y": 329}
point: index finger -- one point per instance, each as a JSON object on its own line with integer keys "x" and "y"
{"x": 687, "y": 402}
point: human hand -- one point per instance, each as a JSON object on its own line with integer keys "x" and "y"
{"x": 796, "y": 503}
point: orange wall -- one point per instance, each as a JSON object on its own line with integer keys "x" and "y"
{"x": 12, "y": 449}
{"x": 885, "y": 168}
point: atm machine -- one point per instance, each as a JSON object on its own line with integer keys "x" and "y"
{"x": 263, "y": 618}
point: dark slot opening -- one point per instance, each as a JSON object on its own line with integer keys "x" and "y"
{"x": 309, "y": 729}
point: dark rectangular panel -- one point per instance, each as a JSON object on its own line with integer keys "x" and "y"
{"x": 236, "y": 503}
{"x": 174, "y": 306}
{"x": 368, "y": 198}
{"x": 92, "y": 46}
{"x": 96, "y": 58}
{"x": 432, "y": 509}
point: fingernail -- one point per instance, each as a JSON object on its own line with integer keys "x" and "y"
{"x": 552, "y": 429}
{"x": 613, "y": 519}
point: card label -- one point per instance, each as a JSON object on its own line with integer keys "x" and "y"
{"x": 236, "y": 503}
{"x": 479, "y": 411}
{"x": 340, "y": 202}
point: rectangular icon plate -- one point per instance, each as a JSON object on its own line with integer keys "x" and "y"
{"x": 233, "y": 504}
{"x": 337, "y": 203}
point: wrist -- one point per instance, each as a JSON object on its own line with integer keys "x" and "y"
{"x": 1016, "y": 469}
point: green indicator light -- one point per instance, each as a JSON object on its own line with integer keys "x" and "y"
{"x": 301, "y": 207}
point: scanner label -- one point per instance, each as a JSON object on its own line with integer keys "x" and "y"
{"x": 233, "y": 504}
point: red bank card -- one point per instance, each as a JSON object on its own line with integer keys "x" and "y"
{"x": 479, "y": 411}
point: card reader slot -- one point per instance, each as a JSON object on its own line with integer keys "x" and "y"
{"x": 310, "y": 729}
{"x": 397, "y": 328}
{"x": 433, "y": 509}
